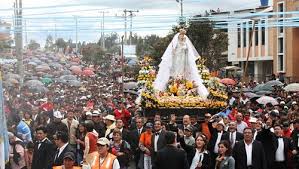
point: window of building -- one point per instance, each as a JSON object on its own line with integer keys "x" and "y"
{"x": 281, "y": 9}
{"x": 280, "y": 45}
{"x": 280, "y": 63}
{"x": 263, "y": 32}
{"x": 256, "y": 31}
{"x": 244, "y": 35}
{"x": 239, "y": 35}
{"x": 280, "y": 23}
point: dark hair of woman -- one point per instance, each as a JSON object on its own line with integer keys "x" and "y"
{"x": 204, "y": 138}
{"x": 226, "y": 144}
{"x": 89, "y": 125}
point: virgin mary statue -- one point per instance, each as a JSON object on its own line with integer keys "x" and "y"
{"x": 178, "y": 61}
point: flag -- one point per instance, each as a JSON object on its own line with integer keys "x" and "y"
{"x": 4, "y": 143}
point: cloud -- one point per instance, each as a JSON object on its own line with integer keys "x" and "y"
{"x": 155, "y": 16}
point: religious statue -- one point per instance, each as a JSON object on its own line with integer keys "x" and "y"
{"x": 179, "y": 61}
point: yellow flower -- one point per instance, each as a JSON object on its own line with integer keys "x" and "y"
{"x": 189, "y": 85}
{"x": 174, "y": 88}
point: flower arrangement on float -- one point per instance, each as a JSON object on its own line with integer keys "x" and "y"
{"x": 147, "y": 72}
{"x": 179, "y": 93}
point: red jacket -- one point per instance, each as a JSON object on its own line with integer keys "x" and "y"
{"x": 124, "y": 115}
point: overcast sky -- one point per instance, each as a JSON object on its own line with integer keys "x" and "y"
{"x": 57, "y": 17}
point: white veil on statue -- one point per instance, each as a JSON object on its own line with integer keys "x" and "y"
{"x": 165, "y": 66}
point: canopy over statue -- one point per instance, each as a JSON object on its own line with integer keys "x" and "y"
{"x": 178, "y": 62}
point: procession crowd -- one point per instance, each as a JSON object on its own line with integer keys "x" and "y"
{"x": 97, "y": 126}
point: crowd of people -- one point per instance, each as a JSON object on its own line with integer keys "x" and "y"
{"x": 97, "y": 126}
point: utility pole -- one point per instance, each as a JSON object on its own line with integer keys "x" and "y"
{"x": 103, "y": 28}
{"x": 125, "y": 11}
{"x": 76, "y": 19}
{"x": 19, "y": 37}
{"x": 122, "y": 64}
{"x": 131, "y": 24}
{"x": 245, "y": 75}
{"x": 26, "y": 42}
{"x": 182, "y": 20}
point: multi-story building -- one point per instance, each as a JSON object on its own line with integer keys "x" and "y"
{"x": 4, "y": 31}
{"x": 273, "y": 49}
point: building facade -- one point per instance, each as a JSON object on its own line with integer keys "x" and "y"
{"x": 273, "y": 42}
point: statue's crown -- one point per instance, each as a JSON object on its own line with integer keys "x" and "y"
{"x": 183, "y": 31}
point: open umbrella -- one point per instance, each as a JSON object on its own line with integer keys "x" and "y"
{"x": 31, "y": 83}
{"x": 228, "y": 81}
{"x": 266, "y": 99}
{"x": 274, "y": 83}
{"x": 77, "y": 71}
{"x": 263, "y": 92}
{"x": 65, "y": 72}
{"x": 89, "y": 68}
{"x": 130, "y": 85}
{"x": 250, "y": 95}
{"x": 32, "y": 63}
{"x": 68, "y": 77}
{"x": 231, "y": 68}
{"x": 11, "y": 81}
{"x": 42, "y": 68}
{"x": 263, "y": 87}
{"x": 293, "y": 87}
{"x": 56, "y": 65}
{"x": 87, "y": 72}
{"x": 47, "y": 80}
{"x": 75, "y": 68}
{"x": 75, "y": 83}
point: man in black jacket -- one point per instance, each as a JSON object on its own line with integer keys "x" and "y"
{"x": 170, "y": 156}
{"x": 249, "y": 153}
{"x": 56, "y": 125}
{"x": 61, "y": 141}
{"x": 43, "y": 150}
{"x": 134, "y": 141}
{"x": 277, "y": 156}
{"x": 158, "y": 141}
{"x": 232, "y": 135}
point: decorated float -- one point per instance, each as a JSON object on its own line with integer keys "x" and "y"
{"x": 183, "y": 84}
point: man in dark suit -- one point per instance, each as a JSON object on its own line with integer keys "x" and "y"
{"x": 170, "y": 156}
{"x": 187, "y": 123}
{"x": 216, "y": 137}
{"x": 43, "y": 150}
{"x": 277, "y": 157}
{"x": 134, "y": 141}
{"x": 249, "y": 153}
{"x": 61, "y": 141}
{"x": 158, "y": 141}
{"x": 232, "y": 135}
{"x": 124, "y": 132}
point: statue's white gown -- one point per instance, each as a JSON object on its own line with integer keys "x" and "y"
{"x": 179, "y": 61}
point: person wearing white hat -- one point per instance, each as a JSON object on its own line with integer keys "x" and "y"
{"x": 106, "y": 159}
{"x": 110, "y": 125}
{"x": 88, "y": 115}
{"x": 216, "y": 136}
{"x": 99, "y": 125}
{"x": 56, "y": 125}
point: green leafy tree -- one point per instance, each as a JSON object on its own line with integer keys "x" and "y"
{"x": 60, "y": 43}
{"x": 49, "y": 45}
{"x": 209, "y": 42}
{"x": 94, "y": 54}
{"x": 33, "y": 45}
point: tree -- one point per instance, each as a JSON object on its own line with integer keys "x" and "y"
{"x": 5, "y": 44}
{"x": 60, "y": 43}
{"x": 94, "y": 54}
{"x": 210, "y": 43}
{"x": 49, "y": 43}
{"x": 33, "y": 45}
